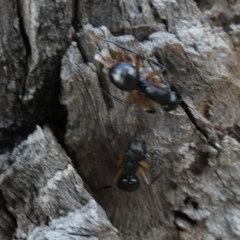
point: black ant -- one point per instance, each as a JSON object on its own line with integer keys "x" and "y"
{"x": 126, "y": 77}
{"x": 129, "y": 164}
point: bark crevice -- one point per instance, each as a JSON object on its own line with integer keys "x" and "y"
{"x": 27, "y": 45}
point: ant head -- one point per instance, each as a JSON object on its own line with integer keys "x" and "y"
{"x": 128, "y": 183}
{"x": 124, "y": 76}
{"x": 175, "y": 99}
{"x": 136, "y": 151}
{"x": 138, "y": 145}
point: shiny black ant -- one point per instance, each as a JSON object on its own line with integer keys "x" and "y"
{"x": 126, "y": 77}
{"x": 129, "y": 164}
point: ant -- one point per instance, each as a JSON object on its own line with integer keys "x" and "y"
{"x": 126, "y": 77}
{"x": 129, "y": 164}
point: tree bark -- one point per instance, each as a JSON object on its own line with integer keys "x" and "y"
{"x": 60, "y": 134}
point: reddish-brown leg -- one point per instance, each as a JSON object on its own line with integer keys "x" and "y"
{"x": 138, "y": 63}
{"x": 120, "y": 160}
{"x": 152, "y": 74}
{"x": 118, "y": 175}
{"x": 144, "y": 164}
{"x": 142, "y": 173}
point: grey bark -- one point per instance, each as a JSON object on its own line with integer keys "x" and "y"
{"x": 60, "y": 135}
{"x": 46, "y": 195}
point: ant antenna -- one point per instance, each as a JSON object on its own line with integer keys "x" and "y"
{"x": 106, "y": 187}
{"x": 134, "y": 136}
{"x": 115, "y": 98}
{"x": 161, "y": 66}
{"x": 128, "y": 104}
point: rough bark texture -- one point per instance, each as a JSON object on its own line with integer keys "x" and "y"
{"x": 49, "y": 77}
{"x": 42, "y": 188}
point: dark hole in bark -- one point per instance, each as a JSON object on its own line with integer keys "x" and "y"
{"x": 184, "y": 216}
{"x": 222, "y": 20}
{"x": 195, "y": 205}
{"x": 22, "y": 29}
{"x": 236, "y": 19}
{"x": 188, "y": 200}
{"x": 201, "y": 162}
{"x": 15, "y": 134}
{"x": 165, "y": 22}
{"x": 173, "y": 184}
{"x": 139, "y": 8}
{"x": 204, "y": 5}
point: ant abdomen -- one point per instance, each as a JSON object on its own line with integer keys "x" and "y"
{"x": 128, "y": 183}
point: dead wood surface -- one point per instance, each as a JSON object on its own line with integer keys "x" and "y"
{"x": 59, "y": 133}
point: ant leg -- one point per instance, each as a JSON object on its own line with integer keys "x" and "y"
{"x": 133, "y": 99}
{"x": 120, "y": 160}
{"x": 118, "y": 45}
{"x": 115, "y": 98}
{"x": 163, "y": 86}
{"x": 138, "y": 63}
{"x": 118, "y": 175}
{"x": 158, "y": 64}
{"x": 131, "y": 51}
{"x": 123, "y": 57}
{"x": 141, "y": 101}
{"x": 156, "y": 84}
{"x": 128, "y": 104}
{"x": 152, "y": 74}
{"x": 144, "y": 164}
{"x": 106, "y": 187}
{"x": 132, "y": 96}
{"x": 156, "y": 178}
{"x": 142, "y": 173}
